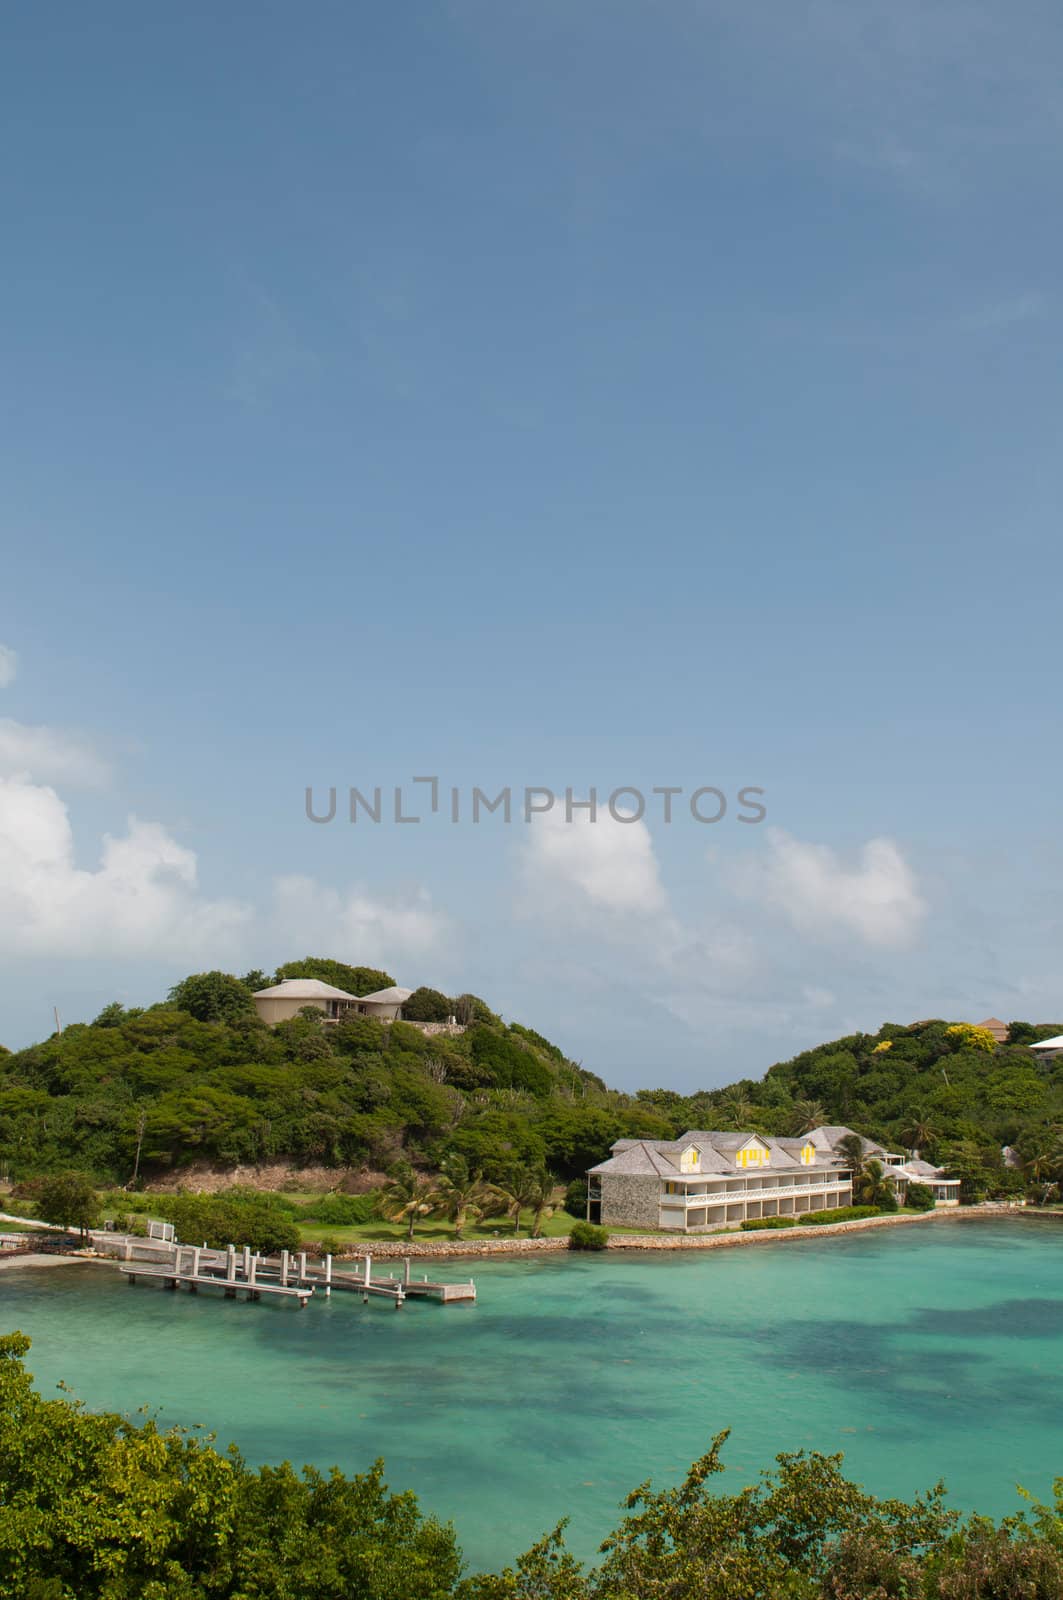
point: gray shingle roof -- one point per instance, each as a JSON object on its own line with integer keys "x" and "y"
{"x": 717, "y": 1150}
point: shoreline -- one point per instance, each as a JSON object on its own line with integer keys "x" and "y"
{"x": 635, "y": 1244}
{"x": 638, "y": 1242}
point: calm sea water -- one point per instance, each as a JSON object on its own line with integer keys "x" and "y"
{"x": 919, "y": 1353}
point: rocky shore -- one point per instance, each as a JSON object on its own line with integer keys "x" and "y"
{"x": 397, "y": 1248}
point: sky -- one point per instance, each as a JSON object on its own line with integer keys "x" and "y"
{"x": 536, "y": 396}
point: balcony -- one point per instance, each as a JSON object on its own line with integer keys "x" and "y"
{"x": 733, "y": 1197}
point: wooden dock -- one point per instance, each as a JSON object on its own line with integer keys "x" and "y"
{"x": 291, "y": 1275}
{"x": 193, "y": 1273}
{"x": 290, "y": 1268}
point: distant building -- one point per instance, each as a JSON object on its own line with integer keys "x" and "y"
{"x": 1046, "y": 1049}
{"x": 384, "y": 1004}
{"x": 998, "y": 1029}
{"x": 286, "y": 999}
{"x": 715, "y": 1180}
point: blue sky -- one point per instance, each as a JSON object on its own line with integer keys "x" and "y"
{"x": 536, "y": 394}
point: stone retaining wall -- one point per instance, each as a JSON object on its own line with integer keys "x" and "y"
{"x": 682, "y": 1241}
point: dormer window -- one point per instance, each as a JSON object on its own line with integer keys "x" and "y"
{"x": 690, "y": 1159}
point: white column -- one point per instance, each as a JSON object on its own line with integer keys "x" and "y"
{"x": 328, "y": 1277}
{"x": 284, "y": 1269}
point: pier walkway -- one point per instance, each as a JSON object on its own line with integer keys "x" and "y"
{"x": 289, "y": 1275}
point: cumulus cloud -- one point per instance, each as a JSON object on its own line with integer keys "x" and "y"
{"x": 49, "y": 754}
{"x": 877, "y": 899}
{"x": 354, "y": 920}
{"x": 606, "y": 865}
{"x": 8, "y": 665}
{"x": 142, "y": 898}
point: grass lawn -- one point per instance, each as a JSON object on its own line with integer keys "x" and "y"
{"x": 559, "y": 1226}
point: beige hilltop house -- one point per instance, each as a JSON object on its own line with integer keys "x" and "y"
{"x": 998, "y": 1029}
{"x": 716, "y": 1180}
{"x": 284, "y": 1000}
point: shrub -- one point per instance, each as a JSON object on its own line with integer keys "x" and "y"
{"x": 70, "y": 1200}
{"x": 235, "y": 1216}
{"x": 585, "y": 1236}
{"x": 842, "y": 1214}
{"x": 427, "y": 1005}
{"x": 755, "y": 1224}
{"x": 576, "y": 1198}
{"x": 341, "y": 1210}
{"x": 329, "y": 1246}
{"x": 920, "y": 1197}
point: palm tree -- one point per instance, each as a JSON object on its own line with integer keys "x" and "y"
{"x": 918, "y": 1130}
{"x": 806, "y": 1115}
{"x": 542, "y": 1210}
{"x": 408, "y": 1196}
{"x": 738, "y": 1112}
{"x": 520, "y": 1189}
{"x": 1041, "y": 1163}
{"x": 871, "y": 1187}
{"x": 463, "y": 1194}
{"x": 851, "y": 1150}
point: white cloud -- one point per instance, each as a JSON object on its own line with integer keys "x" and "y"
{"x": 606, "y": 865}
{"x": 141, "y": 900}
{"x": 878, "y": 899}
{"x": 353, "y": 924}
{"x": 51, "y": 754}
{"x": 8, "y": 665}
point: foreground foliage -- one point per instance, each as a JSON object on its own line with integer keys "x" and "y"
{"x": 95, "y": 1507}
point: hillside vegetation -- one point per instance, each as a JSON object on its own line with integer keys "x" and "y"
{"x": 946, "y": 1089}
{"x": 198, "y": 1079}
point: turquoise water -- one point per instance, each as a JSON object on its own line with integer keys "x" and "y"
{"x": 921, "y": 1353}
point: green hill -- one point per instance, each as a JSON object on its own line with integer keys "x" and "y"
{"x": 945, "y": 1088}
{"x": 199, "y": 1079}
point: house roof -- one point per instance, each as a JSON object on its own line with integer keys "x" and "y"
{"x": 830, "y": 1137}
{"x": 994, "y": 1025}
{"x": 661, "y": 1157}
{"x": 303, "y": 989}
{"x": 388, "y": 997}
{"x": 915, "y": 1168}
{"x": 1055, "y": 1043}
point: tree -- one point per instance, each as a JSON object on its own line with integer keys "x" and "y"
{"x": 521, "y": 1188}
{"x": 463, "y": 1194}
{"x": 872, "y": 1187}
{"x": 355, "y": 980}
{"x": 920, "y": 1197}
{"x": 212, "y": 997}
{"x": 738, "y": 1111}
{"x": 69, "y": 1200}
{"x": 408, "y": 1196}
{"x": 918, "y": 1129}
{"x": 256, "y": 979}
{"x": 427, "y": 1005}
{"x": 807, "y": 1114}
{"x": 542, "y": 1189}
{"x": 101, "y": 1508}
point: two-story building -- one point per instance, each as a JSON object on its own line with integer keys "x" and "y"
{"x": 716, "y": 1180}
{"x": 713, "y": 1180}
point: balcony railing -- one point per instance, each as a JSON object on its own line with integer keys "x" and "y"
{"x": 739, "y": 1196}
